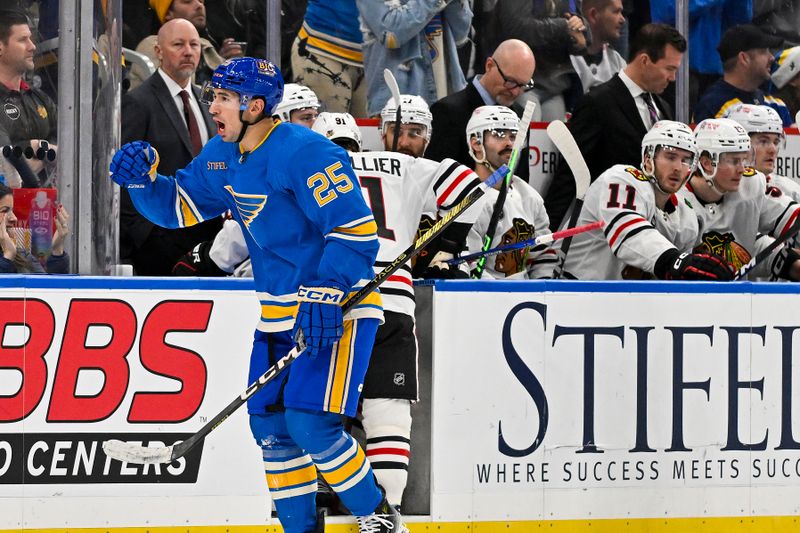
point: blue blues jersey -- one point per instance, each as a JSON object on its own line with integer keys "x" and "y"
{"x": 299, "y": 203}
{"x": 722, "y": 96}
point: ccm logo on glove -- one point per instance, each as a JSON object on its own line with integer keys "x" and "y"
{"x": 320, "y": 294}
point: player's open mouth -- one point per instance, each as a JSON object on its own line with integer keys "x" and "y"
{"x": 220, "y": 127}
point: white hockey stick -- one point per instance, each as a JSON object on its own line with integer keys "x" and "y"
{"x": 565, "y": 143}
{"x": 497, "y": 210}
{"x": 388, "y": 77}
{"x": 137, "y": 454}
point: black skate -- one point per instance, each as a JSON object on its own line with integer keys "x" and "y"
{"x": 385, "y": 519}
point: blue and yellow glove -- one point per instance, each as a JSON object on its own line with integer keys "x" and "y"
{"x": 134, "y": 165}
{"x": 319, "y": 320}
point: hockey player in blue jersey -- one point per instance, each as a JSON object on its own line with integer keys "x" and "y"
{"x": 312, "y": 240}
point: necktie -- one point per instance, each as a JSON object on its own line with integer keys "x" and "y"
{"x": 651, "y": 108}
{"x": 191, "y": 123}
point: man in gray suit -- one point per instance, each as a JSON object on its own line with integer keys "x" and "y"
{"x": 165, "y": 111}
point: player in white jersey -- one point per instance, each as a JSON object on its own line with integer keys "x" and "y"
{"x": 491, "y": 132}
{"x": 648, "y": 229}
{"x": 732, "y": 200}
{"x": 765, "y": 128}
{"x": 299, "y": 105}
{"x": 398, "y": 188}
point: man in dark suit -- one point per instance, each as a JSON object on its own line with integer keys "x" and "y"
{"x": 165, "y": 111}
{"x": 610, "y": 121}
{"x": 508, "y": 74}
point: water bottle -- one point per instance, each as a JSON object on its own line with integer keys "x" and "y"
{"x": 41, "y": 224}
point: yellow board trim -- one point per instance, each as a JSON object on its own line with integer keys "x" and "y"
{"x": 754, "y": 524}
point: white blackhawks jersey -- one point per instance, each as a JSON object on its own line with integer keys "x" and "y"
{"x": 399, "y": 188}
{"x": 788, "y": 186}
{"x": 730, "y": 228}
{"x": 524, "y": 217}
{"x": 636, "y": 231}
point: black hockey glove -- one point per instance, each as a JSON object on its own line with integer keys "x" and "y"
{"x": 782, "y": 263}
{"x": 699, "y": 267}
{"x": 197, "y": 262}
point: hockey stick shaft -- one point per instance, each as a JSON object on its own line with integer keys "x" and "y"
{"x": 538, "y": 243}
{"x": 139, "y": 454}
{"x": 566, "y": 145}
{"x": 391, "y": 82}
{"x": 497, "y": 210}
{"x": 764, "y": 254}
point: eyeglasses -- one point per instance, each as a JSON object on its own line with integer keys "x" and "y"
{"x": 508, "y": 83}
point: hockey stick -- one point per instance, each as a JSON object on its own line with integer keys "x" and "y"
{"x": 497, "y": 210}
{"x": 538, "y": 243}
{"x": 134, "y": 453}
{"x": 388, "y": 77}
{"x": 565, "y": 143}
{"x": 766, "y": 252}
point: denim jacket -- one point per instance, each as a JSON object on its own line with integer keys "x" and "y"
{"x": 394, "y": 38}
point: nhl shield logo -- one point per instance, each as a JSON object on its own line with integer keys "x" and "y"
{"x": 400, "y": 379}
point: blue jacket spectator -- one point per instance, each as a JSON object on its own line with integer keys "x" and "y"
{"x": 399, "y": 35}
{"x": 707, "y": 20}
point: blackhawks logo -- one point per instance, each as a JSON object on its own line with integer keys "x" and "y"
{"x": 724, "y": 246}
{"x": 513, "y": 261}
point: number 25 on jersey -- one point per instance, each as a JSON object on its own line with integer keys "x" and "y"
{"x": 326, "y": 184}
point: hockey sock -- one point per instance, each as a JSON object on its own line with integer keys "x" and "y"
{"x": 339, "y": 458}
{"x": 387, "y": 424}
{"x": 291, "y": 476}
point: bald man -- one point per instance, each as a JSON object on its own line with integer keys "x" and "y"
{"x": 165, "y": 111}
{"x": 508, "y": 74}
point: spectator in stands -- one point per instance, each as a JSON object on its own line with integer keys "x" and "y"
{"x": 786, "y": 78}
{"x": 707, "y": 20}
{"x": 195, "y": 12}
{"x": 746, "y": 61}
{"x": 326, "y": 56}
{"x": 292, "y": 12}
{"x": 508, "y": 73}
{"x": 16, "y": 259}
{"x": 553, "y": 30}
{"x": 600, "y": 62}
{"x": 28, "y": 115}
{"x": 610, "y": 121}
{"x": 417, "y": 41}
{"x": 780, "y": 18}
{"x": 165, "y": 112}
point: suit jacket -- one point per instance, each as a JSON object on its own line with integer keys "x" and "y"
{"x": 608, "y": 129}
{"x": 149, "y": 114}
{"x": 449, "y": 136}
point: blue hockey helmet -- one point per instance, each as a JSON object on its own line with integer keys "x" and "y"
{"x": 250, "y": 78}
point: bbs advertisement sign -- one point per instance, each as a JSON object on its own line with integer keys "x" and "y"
{"x": 615, "y": 400}
{"x": 84, "y": 360}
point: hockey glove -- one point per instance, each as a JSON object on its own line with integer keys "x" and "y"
{"x": 134, "y": 165}
{"x": 782, "y": 263}
{"x": 699, "y": 267}
{"x": 319, "y": 316}
{"x": 438, "y": 269}
{"x": 197, "y": 262}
